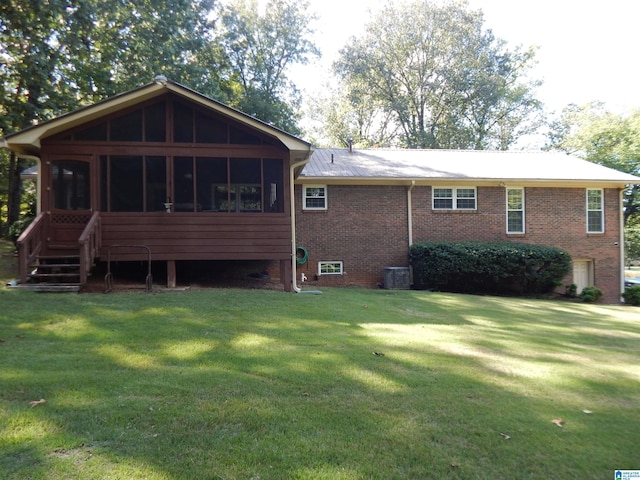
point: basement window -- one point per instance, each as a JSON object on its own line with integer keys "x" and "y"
{"x": 330, "y": 268}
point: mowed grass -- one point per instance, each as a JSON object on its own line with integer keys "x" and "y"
{"x": 257, "y": 384}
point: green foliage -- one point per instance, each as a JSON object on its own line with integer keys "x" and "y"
{"x": 260, "y": 47}
{"x": 631, "y": 295}
{"x": 572, "y": 290}
{"x": 602, "y": 137}
{"x": 446, "y": 81}
{"x": 591, "y": 294}
{"x": 16, "y": 228}
{"x": 57, "y": 55}
{"x": 632, "y": 239}
{"x": 488, "y": 267}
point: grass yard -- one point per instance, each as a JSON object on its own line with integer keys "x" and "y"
{"x": 231, "y": 384}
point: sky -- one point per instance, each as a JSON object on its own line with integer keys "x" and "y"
{"x": 587, "y": 50}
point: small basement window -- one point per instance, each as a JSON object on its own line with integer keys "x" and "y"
{"x": 330, "y": 268}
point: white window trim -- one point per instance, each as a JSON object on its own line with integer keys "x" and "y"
{"x": 304, "y": 197}
{"x": 454, "y": 198}
{"x": 523, "y": 210}
{"x": 339, "y": 264}
{"x": 601, "y": 210}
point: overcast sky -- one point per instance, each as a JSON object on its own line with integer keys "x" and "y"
{"x": 587, "y": 50}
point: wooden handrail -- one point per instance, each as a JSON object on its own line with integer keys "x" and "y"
{"x": 29, "y": 245}
{"x": 89, "y": 242}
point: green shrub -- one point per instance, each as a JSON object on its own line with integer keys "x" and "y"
{"x": 488, "y": 267}
{"x": 572, "y": 290}
{"x": 591, "y": 294}
{"x": 631, "y": 295}
{"x": 16, "y": 228}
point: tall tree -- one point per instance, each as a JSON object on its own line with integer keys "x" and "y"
{"x": 595, "y": 134}
{"x": 260, "y": 48}
{"x": 448, "y": 82}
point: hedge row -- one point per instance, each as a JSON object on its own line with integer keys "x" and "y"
{"x": 488, "y": 267}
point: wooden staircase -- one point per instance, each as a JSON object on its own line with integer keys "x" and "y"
{"x": 55, "y": 273}
{"x": 64, "y": 268}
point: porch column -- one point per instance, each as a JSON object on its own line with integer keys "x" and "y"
{"x": 171, "y": 274}
{"x": 285, "y": 274}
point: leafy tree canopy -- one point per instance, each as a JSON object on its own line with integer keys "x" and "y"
{"x": 597, "y": 135}
{"x": 260, "y": 48}
{"x": 447, "y": 81}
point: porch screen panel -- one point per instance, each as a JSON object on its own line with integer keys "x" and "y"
{"x": 182, "y": 123}
{"x": 183, "y": 179}
{"x": 126, "y": 192}
{"x": 211, "y": 177}
{"x": 155, "y": 184}
{"x": 70, "y": 185}
{"x": 273, "y": 191}
{"x": 246, "y": 183}
{"x": 127, "y": 128}
{"x": 155, "y": 124}
{"x": 209, "y": 129}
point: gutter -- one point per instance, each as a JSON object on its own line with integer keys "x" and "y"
{"x": 621, "y": 242}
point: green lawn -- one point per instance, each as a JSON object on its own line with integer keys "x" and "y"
{"x": 233, "y": 384}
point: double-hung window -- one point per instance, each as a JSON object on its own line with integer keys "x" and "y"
{"x": 515, "y": 210}
{"x": 595, "y": 210}
{"x": 314, "y": 197}
{"x": 451, "y": 198}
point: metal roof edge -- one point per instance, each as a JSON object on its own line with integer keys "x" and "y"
{"x": 427, "y": 181}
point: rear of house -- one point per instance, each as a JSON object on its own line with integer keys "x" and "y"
{"x": 359, "y": 211}
{"x": 165, "y": 174}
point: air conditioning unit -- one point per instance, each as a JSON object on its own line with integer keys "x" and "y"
{"x": 397, "y": 278}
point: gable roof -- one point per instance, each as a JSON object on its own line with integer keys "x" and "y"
{"x": 27, "y": 141}
{"x": 456, "y": 166}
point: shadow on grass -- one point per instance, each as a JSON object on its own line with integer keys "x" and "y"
{"x": 204, "y": 385}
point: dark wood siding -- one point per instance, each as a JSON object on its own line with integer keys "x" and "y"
{"x": 185, "y": 236}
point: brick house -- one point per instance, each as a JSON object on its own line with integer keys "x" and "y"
{"x": 358, "y": 212}
{"x": 190, "y": 179}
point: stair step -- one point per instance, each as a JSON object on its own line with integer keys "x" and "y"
{"x": 56, "y": 265}
{"x": 49, "y": 287}
{"x": 54, "y": 275}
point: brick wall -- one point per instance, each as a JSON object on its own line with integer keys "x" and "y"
{"x": 366, "y": 228}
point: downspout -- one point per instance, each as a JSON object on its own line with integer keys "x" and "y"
{"x": 621, "y": 242}
{"x": 294, "y": 274}
{"x": 410, "y": 212}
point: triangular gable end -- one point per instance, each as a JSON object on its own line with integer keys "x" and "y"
{"x": 89, "y": 121}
